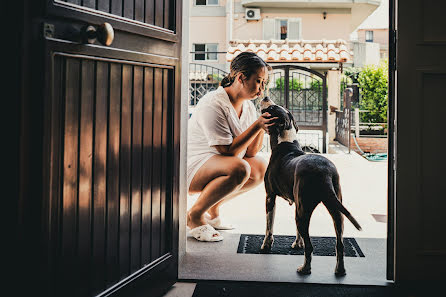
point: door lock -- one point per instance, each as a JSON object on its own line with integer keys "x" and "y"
{"x": 103, "y": 33}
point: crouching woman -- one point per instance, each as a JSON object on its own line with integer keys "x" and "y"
{"x": 224, "y": 138}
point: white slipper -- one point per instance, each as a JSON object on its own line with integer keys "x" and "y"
{"x": 218, "y": 225}
{"x": 205, "y": 233}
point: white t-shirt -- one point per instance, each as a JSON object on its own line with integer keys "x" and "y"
{"x": 214, "y": 122}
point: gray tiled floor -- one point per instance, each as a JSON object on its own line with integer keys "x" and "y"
{"x": 364, "y": 186}
{"x": 220, "y": 261}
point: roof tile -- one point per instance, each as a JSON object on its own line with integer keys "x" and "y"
{"x": 293, "y": 50}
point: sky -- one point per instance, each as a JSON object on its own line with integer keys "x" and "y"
{"x": 379, "y": 19}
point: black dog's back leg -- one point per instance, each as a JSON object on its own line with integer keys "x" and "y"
{"x": 302, "y": 227}
{"x": 303, "y": 215}
{"x": 270, "y": 213}
{"x": 338, "y": 221}
{"x": 298, "y": 243}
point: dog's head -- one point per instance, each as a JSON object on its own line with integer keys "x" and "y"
{"x": 284, "y": 128}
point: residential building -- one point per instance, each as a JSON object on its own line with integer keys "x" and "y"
{"x": 375, "y": 29}
{"x": 217, "y": 24}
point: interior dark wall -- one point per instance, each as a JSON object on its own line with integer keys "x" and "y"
{"x": 23, "y": 150}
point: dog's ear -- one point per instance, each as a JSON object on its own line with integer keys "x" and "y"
{"x": 292, "y": 121}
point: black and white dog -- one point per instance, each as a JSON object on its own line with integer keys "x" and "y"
{"x": 304, "y": 179}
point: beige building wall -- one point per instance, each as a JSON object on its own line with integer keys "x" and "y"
{"x": 380, "y": 36}
{"x": 209, "y": 30}
{"x": 314, "y": 27}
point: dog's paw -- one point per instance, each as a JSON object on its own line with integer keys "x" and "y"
{"x": 340, "y": 271}
{"x": 298, "y": 244}
{"x": 304, "y": 270}
{"x": 267, "y": 244}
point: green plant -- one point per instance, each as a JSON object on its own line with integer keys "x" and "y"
{"x": 373, "y": 85}
{"x": 316, "y": 85}
{"x": 352, "y": 73}
{"x": 215, "y": 77}
{"x": 295, "y": 84}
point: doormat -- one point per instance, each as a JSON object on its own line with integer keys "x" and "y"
{"x": 323, "y": 246}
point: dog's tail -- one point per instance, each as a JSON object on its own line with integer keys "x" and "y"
{"x": 338, "y": 205}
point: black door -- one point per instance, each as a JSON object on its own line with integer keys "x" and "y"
{"x": 104, "y": 82}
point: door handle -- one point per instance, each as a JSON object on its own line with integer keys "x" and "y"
{"x": 103, "y": 33}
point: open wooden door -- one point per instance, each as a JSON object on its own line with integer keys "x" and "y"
{"x": 420, "y": 244}
{"x": 101, "y": 126}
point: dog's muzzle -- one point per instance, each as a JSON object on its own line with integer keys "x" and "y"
{"x": 265, "y": 103}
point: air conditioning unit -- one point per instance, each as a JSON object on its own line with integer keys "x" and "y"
{"x": 252, "y": 14}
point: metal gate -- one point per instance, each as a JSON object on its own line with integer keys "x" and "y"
{"x": 203, "y": 79}
{"x": 343, "y": 120}
{"x": 303, "y": 92}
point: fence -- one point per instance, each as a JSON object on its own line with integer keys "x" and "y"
{"x": 203, "y": 79}
{"x": 343, "y": 120}
{"x": 367, "y": 128}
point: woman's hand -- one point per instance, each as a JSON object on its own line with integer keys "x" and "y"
{"x": 265, "y": 120}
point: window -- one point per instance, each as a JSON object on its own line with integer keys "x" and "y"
{"x": 283, "y": 29}
{"x": 368, "y": 36}
{"x": 206, "y": 2}
{"x": 280, "y": 29}
{"x": 205, "y": 51}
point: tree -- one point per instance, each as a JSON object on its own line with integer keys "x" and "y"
{"x": 373, "y": 87}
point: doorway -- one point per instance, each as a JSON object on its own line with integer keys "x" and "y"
{"x": 222, "y": 262}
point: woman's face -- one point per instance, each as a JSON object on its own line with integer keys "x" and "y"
{"x": 255, "y": 85}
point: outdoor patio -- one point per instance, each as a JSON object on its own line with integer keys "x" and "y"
{"x": 364, "y": 187}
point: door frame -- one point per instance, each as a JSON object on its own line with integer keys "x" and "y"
{"x": 390, "y": 255}
{"x": 391, "y": 149}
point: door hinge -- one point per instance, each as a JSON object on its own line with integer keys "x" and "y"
{"x": 48, "y": 30}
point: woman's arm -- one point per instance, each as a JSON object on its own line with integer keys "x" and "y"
{"x": 256, "y": 144}
{"x": 241, "y": 142}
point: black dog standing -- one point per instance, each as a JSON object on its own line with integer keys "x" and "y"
{"x": 304, "y": 179}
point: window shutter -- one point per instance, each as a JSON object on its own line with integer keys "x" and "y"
{"x": 268, "y": 29}
{"x": 212, "y": 47}
{"x": 294, "y": 29}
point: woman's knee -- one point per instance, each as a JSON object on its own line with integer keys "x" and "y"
{"x": 258, "y": 170}
{"x": 240, "y": 171}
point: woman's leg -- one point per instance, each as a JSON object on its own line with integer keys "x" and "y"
{"x": 258, "y": 168}
{"x": 217, "y": 178}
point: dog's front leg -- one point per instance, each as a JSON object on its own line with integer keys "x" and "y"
{"x": 270, "y": 212}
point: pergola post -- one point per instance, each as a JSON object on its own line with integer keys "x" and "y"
{"x": 334, "y": 102}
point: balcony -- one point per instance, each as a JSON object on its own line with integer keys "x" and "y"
{"x": 309, "y": 3}
{"x": 359, "y": 9}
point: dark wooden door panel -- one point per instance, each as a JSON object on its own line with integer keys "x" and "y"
{"x": 99, "y": 199}
{"x": 149, "y": 15}
{"x": 115, "y": 213}
{"x": 99, "y": 146}
{"x": 147, "y": 160}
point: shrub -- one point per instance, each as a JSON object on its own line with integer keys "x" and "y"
{"x": 295, "y": 84}
{"x": 373, "y": 87}
{"x": 316, "y": 85}
{"x": 352, "y": 73}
